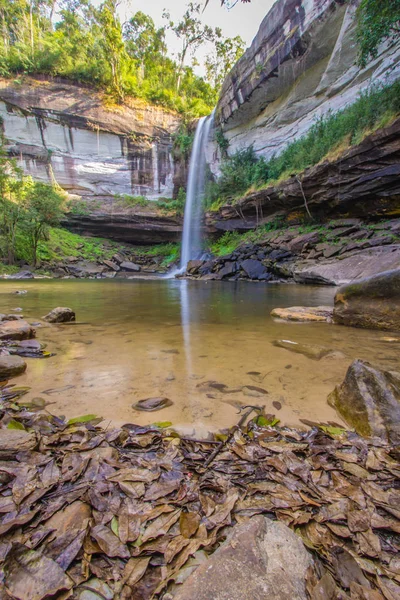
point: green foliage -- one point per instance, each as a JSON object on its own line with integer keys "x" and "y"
{"x": 336, "y": 131}
{"x": 131, "y": 201}
{"x": 169, "y": 252}
{"x": 377, "y": 20}
{"x": 221, "y": 140}
{"x": 227, "y": 243}
{"x": 86, "y": 42}
{"x": 183, "y": 142}
{"x": 177, "y": 206}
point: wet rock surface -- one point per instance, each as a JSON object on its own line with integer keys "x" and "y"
{"x": 373, "y": 302}
{"x": 369, "y": 401}
{"x": 11, "y": 366}
{"x": 60, "y": 314}
{"x": 260, "y": 559}
{"x": 322, "y": 314}
{"x": 309, "y": 350}
{"x": 16, "y": 330}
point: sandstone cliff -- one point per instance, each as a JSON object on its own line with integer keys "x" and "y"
{"x": 64, "y": 131}
{"x": 300, "y": 65}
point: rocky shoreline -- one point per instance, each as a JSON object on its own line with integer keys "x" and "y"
{"x": 330, "y": 254}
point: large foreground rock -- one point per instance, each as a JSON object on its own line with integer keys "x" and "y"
{"x": 16, "y": 330}
{"x": 260, "y": 559}
{"x": 369, "y": 400}
{"x": 11, "y": 366}
{"x": 373, "y": 302}
{"x": 60, "y": 314}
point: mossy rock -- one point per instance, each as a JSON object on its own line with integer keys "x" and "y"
{"x": 372, "y": 303}
{"x": 369, "y": 401}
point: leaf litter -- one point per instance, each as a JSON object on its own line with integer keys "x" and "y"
{"x": 93, "y": 513}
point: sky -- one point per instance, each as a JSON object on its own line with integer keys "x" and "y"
{"x": 243, "y": 19}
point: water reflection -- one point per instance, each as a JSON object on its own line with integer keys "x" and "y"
{"x": 140, "y": 339}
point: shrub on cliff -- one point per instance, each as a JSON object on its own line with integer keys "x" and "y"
{"x": 243, "y": 171}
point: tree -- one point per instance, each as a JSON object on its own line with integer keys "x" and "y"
{"x": 144, "y": 43}
{"x": 11, "y": 195}
{"x": 225, "y": 54}
{"x": 43, "y": 209}
{"x": 378, "y": 20}
{"x": 192, "y": 34}
{"x": 113, "y": 44}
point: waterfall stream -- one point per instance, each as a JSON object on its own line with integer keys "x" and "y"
{"x": 191, "y": 239}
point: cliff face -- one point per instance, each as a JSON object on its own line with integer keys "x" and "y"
{"x": 300, "y": 65}
{"x": 63, "y": 131}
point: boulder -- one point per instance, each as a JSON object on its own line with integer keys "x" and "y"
{"x": 298, "y": 243}
{"x": 21, "y": 275}
{"x": 193, "y": 266}
{"x": 16, "y": 440}
{"x": 229, "y": 268}
{"x": 304, "y": 313}
{"x": 11, "y": 366}
{"x": 111, "y": 265}
{"x": 369, "y": 401}
{"x": 16, "y": 330}
{"x": 254, "y": 269}
{"x": 309, "y": 350}
{"x": 60, "y": 314}
{"x": 260, "y": 559}
{"x": 373, "y": 302}
{"x": 127, "y": 265}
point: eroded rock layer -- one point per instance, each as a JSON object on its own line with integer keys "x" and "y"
{"x": 65, "y": 132}
{"x": 300, "y": 65}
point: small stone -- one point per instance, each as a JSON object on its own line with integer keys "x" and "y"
{"x": 16, "y": 330}
{"x": 60, "y": 315}
{"x": 152, "y": 404}
{"x": 129, "y": 266}
{"x": 308, "y": 350}
{"x": 304, "y": 313}
{"x": 253, "y": 268}
{"x": 11, "y": 366}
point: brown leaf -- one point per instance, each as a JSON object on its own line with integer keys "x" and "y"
{"x": 32, "y": 576}
{"x": 109, "y": 542}
{"x": 161, "y": 525}
{"x": 369, "y": 543}
{"x": 134, "y": 570}
{"x": 135, "y": 474}
{"x": 359, "y": 592}
{"x": 189, "y": 523}
{"x": 174, "y": 547}
{"x": 222, "y": 511}
{"x": 51, "y": 474}
{"x": 168, "y": 483}
{"x": 358, "y": 520}
{"x": 346, "y": 568}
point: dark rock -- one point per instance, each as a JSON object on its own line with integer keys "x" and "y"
{"x": 60, "y": 315}
{"x": 373, "y": 302}
{"x": 279, "y": 255}
{"x": 22, "y": 275}
{"x": 253, "y": 268}
{"x": 260, "y": 559}
{"x": 11, "y": 366}
{"x": 300, "y": 242}
{"x": 111, "y": 265}
{"x": 227, "y": 270}
{"x": 339, "y": 223}
{"x": 130, "y": 266}
{"x": 369, "y": 401}
{"x": 206, "y": 267}
{"x": 193, "y": 266}
{"x": 85, "y": 269}
{"x": 16, "y": 330}
{"x": 152, "y": 404}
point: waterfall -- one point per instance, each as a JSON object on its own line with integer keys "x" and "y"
{"x": 191, "y": 239}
